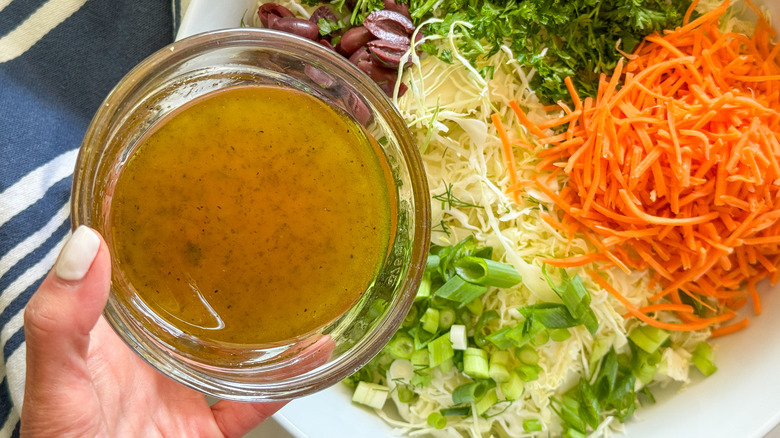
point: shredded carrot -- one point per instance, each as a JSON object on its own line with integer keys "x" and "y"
{"x": 729, "y": 329}
{"x": 633, "y": 310}
{"x": 676, "y": 171}
{"x": 509, "y": 155}
{"x": 568, "y": 262}
{"x": 664, "y": 306}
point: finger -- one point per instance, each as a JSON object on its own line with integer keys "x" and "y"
{"x": 61, "y": 314}
{"x": 235, "y": 419}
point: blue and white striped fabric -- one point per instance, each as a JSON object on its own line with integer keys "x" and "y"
{"x": 58, "y": 61}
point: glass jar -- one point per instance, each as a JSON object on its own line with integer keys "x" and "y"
{"x": 185, "y": 71}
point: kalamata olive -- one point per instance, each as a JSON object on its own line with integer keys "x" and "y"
{"x": 403, "y": 9}
{"x": 297, "y": 26}
{"x": 384, "y": 77}
{"x": 361, "y": 54}
{"x": 388, "y": 54}
{"x": 389, "y": 25}
{"x": 322, "y": 12}
{"x": 272, "y": 9}
{"x": 354, "y": 39}
{"x": 327, "y": 44}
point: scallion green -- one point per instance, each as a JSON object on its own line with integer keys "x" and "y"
{"x": 402, "y": 346}
{"x": 513, "y": 388}
{"x": 648, "y": 338}
{"x": 446, "y": 318}
{"x": 461, "y": 411}
{"x": 469, "y": 392}
{"x": 527, "y": 355}
{"x": 437, "y": 420}
{"x": 405, "y": 393}
{"x": 430, "y": 320}
{"x": 486, "y": 402}
{"x": 559, "y": 335}
{"x": 498, "y": 363}
{"x": 528, "y": 373}
{"x": 424, "y": 291}
{"x": 420, "y": 359}
{"x": 703, "y": 358}
{"x": 532, "y": 425}
{"x": 439, "y": 350}
{"x": 475, "y": 306}
{"x": 475, "y": 363}
{"x": 488, "y": 272}
{"x": 460, "y": 291}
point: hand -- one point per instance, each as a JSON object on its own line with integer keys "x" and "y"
{"x": 83, "y": 381}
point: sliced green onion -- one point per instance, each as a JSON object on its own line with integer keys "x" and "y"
{"x": 541, "y": 338}
{"x": 446, "y": 318}
{"x": 528, "y": 373}
{"x": 559, "y": 335}
{"x": 437, "y": 420}
{"x": 460, "y": 291}
{"x": 456, "y": 412}
{"x": 405, "y": 393}
{"x": 371, "y": 394}
{"x": 506, "y": 337}
{"x": 527, "y": 355}
{"x": 498, "y": 363}
{"x": 550, "y": 315}
{"x": 532, "y": 425}
{"x": 458, "y": 337}
{"x": 601, "y": 345}
{"x": 488, "y": 272}
{"x": 420, "y": 359}
{"x": 576, "y": 299}
{"x": 475, "y": 363}
{"x": 475, "y": 306}
{"x": 645, "y": 372}
{"x": 573, "y": 433}
{"x": 485, "y": 252}
{"x": 648, "y": 338}
{"x": 479, "y": 333}
{"x": 432, "y": 262}
{"x": 402, "y": 346}
{"x": 513, "y": 388}
{"x": 439, "y": 350}
{"x": 411, "y": 317}
{"x": 703, "y": 358}
{"x": 421, "y": 337}
{"x": 486, "y": 402}
{"x": 469, "y": 392}
{"x": 447, "y": 366}
{"x": 569, "y": 413}
{"x": 424, "y": 291}
{"x": 430, "y": 320}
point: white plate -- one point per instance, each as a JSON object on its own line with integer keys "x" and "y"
{"x": 741, "y": 400}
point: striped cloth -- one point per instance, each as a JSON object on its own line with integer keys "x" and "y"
{"x": 58, "y": 61}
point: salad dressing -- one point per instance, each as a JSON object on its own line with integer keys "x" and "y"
{"x": 252, "y": 216}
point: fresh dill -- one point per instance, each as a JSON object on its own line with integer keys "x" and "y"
{"x": 449, "y": 200}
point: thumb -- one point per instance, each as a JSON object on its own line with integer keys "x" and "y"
{"x": 61, "y": 314}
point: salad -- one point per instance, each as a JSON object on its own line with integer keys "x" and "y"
{"x": 603, "y": 179}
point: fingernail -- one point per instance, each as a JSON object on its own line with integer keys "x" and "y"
{"x": 78, "y": 254}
